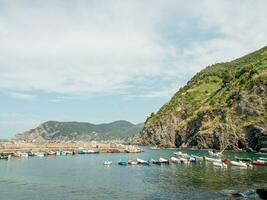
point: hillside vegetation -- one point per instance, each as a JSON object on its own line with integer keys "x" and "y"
{"x": 221, "y": 107}
{"x": 54, "y": 130}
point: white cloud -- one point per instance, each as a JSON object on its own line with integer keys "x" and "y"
{"x": 94, "y": 47}
{"x": 22, "y": 96}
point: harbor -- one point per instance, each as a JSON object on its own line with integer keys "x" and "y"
{"x": 159, "y": 171}
{"x": 22, "y": 148}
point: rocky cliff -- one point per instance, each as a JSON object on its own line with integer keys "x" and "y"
{"x": 221, "y": 107}
{"x": 54, "y": 130}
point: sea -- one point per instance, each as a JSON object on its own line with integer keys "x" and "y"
{"x": 84, "y": 177}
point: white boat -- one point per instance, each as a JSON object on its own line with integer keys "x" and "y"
{"x": 184, "y": 160}
{"x": 262, "y": 161}
{"x": 217, "y": 155}
{"x": 39, "y": 154}
{"x": 212, "y": 159}
{"x": 175, "y": 160}
{"x": 132, "y": 162}
{"x": 108, "y": 162}
{"x": 239, "y": 163}
{"x": 140, "y": 161}
{"x": 219, "y": 164}
{"x": 262, "y": 158}
{"x": 163, "y": 160}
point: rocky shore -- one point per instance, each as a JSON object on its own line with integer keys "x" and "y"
{"x": 10, "y": 147}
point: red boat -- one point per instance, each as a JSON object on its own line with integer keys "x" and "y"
{"x": 259, "y": 162}
{"x": 226, "y": 161}
{"x": 51, "y": 153}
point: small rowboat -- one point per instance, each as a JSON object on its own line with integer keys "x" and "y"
{"x": 132, "y": 162}
{"x": 92, "y": 152}
{"x": 156, "y": 162}
{"x": 142, "y": 162}
{"x": 226, "y": 161}
{"x": 163, "y": 160}
{"x": 239, "y": 164}
{"x": 259, "y": 162}
{"x": 122, "y": 162}
{"x": 107, "y": 163}
{"x": 219, "y": 164}
{"x": 51, "y": 153}
{"x": 243, "y": 159}
{"x": 175, "y": 160}
{"x": 39, "y": 154}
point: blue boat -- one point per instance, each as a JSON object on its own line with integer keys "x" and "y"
{"x": 122, "y": 162}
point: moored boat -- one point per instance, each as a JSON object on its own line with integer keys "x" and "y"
{"x": 226, "y": 161}
{"x": 184, "y": 160}
{"x": 39, "y": 154}
{"x": 142, "y": 162}
{"x": 175, "y": 160}
{"x": 107, "y": 163}
{"x": 163, "y": 160}
{"x": 239, "y": 164}
{"x": 259, "y": 162}
{"x": 92, "y": 151}
{"x": 132, "y": 162}
{"x": 83, "y": 151}
{"x": 122, "y": 162}
{"x": 51, "y": 153}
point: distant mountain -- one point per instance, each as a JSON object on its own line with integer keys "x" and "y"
{"x": 54, "y": 130}
{"x": 224, "y": 106}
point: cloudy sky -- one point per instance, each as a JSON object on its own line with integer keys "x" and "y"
{"x": 100, "y": 61}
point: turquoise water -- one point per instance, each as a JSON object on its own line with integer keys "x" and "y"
{"x": 82, "y": 177}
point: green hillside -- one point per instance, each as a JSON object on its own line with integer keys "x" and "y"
{"x": 222, "y": 106}
{"x": 54, "y": 130}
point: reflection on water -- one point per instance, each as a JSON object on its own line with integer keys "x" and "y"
{"x": 85, "y": 177}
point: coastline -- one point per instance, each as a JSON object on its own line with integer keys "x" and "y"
{"x": 13, "y": 146}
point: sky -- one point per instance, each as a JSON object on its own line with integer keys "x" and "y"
{"x": 101, "y": 61}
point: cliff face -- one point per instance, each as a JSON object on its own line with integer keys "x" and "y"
{"x": 54, "y": 130}
{"x": 221, "y": 107}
